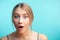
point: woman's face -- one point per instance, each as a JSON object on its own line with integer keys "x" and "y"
{"x": 21, "y": 20}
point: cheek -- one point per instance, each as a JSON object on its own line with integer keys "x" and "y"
{"x": 27, "y": 22}
{"x": 15, "y": 22}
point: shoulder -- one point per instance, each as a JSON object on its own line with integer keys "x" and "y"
{"x": 43, "y": 37}
{"x": 6, "y": 37}
{"x": 3, "y": 38}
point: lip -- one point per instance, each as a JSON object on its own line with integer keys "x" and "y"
{"x": 20, "y": 27}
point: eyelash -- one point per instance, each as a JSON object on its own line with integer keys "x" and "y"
{"x": 16, "y": 16}
{"x": 19, "y": 17}
{"x": 25, "y": 16}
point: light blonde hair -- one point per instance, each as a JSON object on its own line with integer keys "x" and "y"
{"x": 25, "y": 7}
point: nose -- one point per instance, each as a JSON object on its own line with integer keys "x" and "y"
{"x": 20, "y": 21}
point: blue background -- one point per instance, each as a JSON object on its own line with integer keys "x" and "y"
{"x": 46, "y": 17}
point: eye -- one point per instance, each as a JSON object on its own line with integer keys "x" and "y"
{"x": 25, "y": 17}
{"x": 16, "y": 17}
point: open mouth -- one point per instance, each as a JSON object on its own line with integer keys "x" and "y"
{"x": 20, "y": 27}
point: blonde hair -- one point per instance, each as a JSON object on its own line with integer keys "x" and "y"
{"x": 26, "y": 8}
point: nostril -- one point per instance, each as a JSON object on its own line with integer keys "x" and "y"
{"x": 19, "y": 23}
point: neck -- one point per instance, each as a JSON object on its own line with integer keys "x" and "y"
{"x": 22, "y": 34}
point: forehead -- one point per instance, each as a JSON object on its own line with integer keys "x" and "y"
{"x": 20, "y": 11}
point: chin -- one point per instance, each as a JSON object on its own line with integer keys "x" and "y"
{"x": 21, "y": 31}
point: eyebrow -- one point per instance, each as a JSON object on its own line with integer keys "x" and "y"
{"x": 15, "y": 14}
{"x": 24, "y": 14}
{"x": 19, "y": 14}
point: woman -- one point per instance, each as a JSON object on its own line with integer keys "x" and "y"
{"x": 22, "y": 18}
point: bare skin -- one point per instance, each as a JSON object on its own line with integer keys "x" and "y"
{"x": 32, "y": 36}
{"x": 22, "y": 21}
